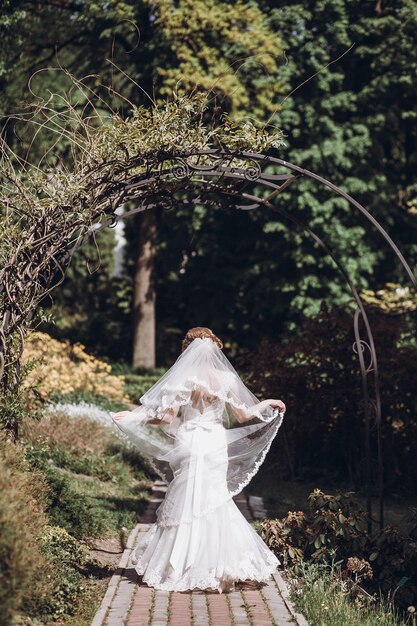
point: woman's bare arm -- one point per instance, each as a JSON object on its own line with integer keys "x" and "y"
{"x": 167, "y": 417}
{"x": 245, "y": 415}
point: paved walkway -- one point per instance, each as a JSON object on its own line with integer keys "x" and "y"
{"x": 130, "y": 602}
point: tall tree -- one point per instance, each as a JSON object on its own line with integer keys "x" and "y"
{"x": 351, "y": 115}
{"x": 144, "y": 340}
{"x": 354, "y": 122}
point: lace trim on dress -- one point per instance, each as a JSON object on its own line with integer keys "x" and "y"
{"x": 209, "y": 581}
{"x": 249, "y": 567}
{"x": 260, "y": 460}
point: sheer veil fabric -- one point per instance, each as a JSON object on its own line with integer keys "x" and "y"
{"x": 213, "y": 438}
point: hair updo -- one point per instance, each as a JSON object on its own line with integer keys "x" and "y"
{"x": 200, "y": 332}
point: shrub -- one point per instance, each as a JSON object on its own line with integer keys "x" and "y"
{"x": 18, "y": 398}
{"x": 317, "y": 374}
{"x": 22, "y": 565}
{"x": 335, "y": 527}
{"x": 69, "y": 369}
{"x": 331, "y": 524}
{"x": 67, "y": 556}
{"x": 57, "y": 543}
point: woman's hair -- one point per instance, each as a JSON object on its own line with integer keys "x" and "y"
{"x": 200, "y": 332}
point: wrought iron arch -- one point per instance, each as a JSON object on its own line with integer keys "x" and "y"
{"x": 42, "y": 257}
{"x": 242, "y": 176}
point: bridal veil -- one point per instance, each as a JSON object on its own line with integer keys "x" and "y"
{"x": 203, "y": 378}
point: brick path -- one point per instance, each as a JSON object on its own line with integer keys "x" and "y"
{"x": 130, "y": 602}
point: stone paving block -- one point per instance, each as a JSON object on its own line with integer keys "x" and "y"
{"x": 199, "y": 609}
{"x": 180, "y": 609}
{"x": 256, "y": 607}
{"x": 160, "y": 609}
{"x": 141, "y": 607}
{"x": 218, "y": 609}
{"x": 238, "y": 608}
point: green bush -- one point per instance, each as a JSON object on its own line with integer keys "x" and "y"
{"x": 57, "y": 543}
{"x": 17, "y": 399}
{"x": 335, "y": 527}
{"x": 68, "y": 555}
{"x": 331, "y": 523}
{"x": 67, "y": 587}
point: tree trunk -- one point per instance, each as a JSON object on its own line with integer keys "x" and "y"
{"x": 144, "y": 293}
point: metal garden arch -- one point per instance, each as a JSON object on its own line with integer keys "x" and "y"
{"x": 38, "y": 262}
{"x": 215, "y": 171}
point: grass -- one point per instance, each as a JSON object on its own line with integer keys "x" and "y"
{"x": 96, "y": 466}
{"x": 322, "y": 596}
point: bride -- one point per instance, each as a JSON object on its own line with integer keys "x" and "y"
{"x": 206, "y": 435}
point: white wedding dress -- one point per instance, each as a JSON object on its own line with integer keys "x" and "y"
{"x": 200, "y": 539}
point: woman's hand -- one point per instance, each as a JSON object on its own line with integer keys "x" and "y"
{"x": 277, "y": 404}
{"x": 120, "y": 415}
{"x": 271, "y": 402}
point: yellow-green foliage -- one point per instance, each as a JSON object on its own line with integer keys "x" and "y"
{"x": 225, "y": 47}
{"x": 173, "y": 128}
{"x": 392, "y": 299}
{"x": 67, "y": 368}
{"x": 58, "y": 542}
{"x": 23, "y": 568}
